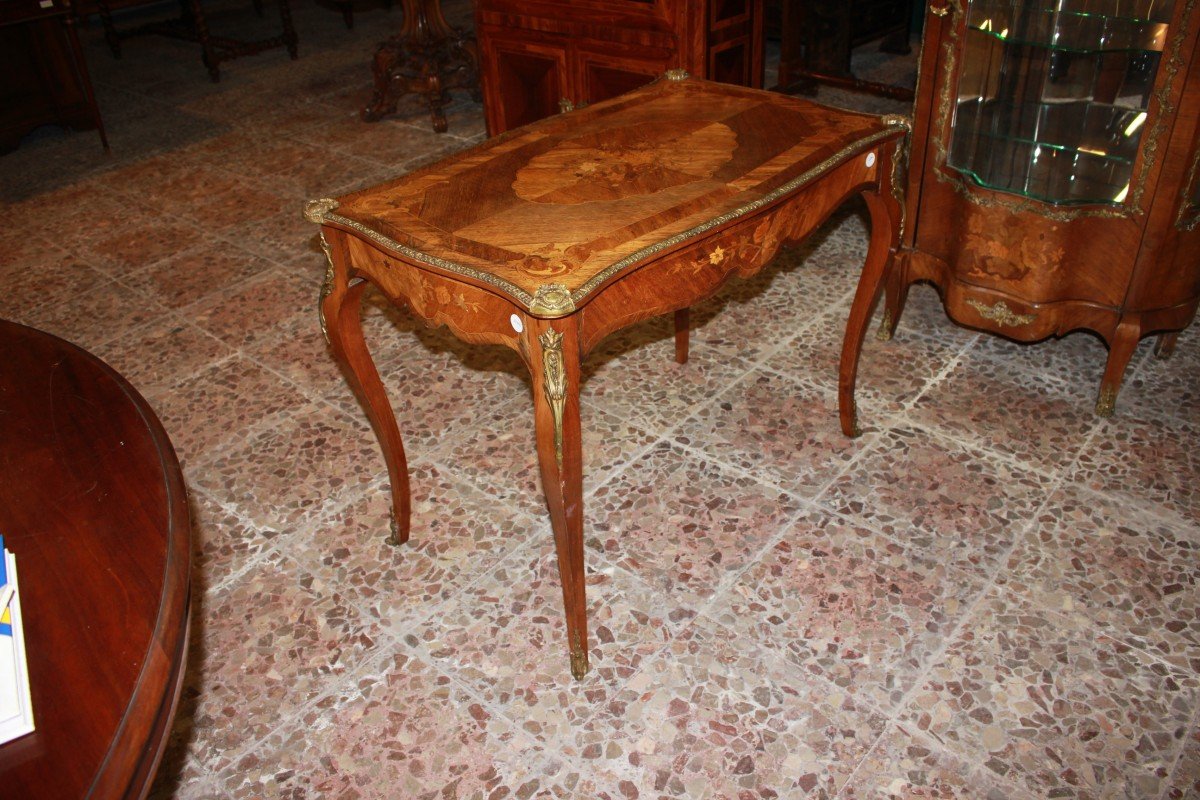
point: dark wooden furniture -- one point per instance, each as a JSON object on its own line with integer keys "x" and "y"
{"x": 540, "y": 57}
{"x": 817, "y": 37}
{"x": 93, "y": 505}
{"x": 45, "y": 76}
{"x": 428, "y": 58}
{"x": 549, "y": 238}
{"x": 1053, "y": 177}
{"x": 191, "y": 26}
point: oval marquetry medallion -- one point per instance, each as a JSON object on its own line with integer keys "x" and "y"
{"x": 623, "y": 163}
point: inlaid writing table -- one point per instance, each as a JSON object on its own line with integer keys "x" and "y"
{"x": 554, "y": 235}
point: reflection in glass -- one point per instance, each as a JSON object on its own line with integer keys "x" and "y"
{"x": 1052, "y": 97}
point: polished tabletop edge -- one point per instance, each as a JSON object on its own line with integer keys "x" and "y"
{"x": 553, "y": 300}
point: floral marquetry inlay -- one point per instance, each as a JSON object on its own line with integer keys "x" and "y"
{"x": 617, "y": 165}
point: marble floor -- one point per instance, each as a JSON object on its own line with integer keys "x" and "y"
{"x": 992, "y": 593}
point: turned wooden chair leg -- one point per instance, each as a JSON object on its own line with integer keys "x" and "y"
{"x": 1164, "y": 346}
{"x": 110, "y": 31}
{"x": 1120, "y": 350}
{"x": 553, "y": 348}
{"x": 682, "y": 329}
{"x": 341, "y": 320}
{"x": 879, "y": 258}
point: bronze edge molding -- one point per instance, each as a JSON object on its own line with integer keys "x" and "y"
{"x": 552, "y": 300}
{"x": 833, "y": 161}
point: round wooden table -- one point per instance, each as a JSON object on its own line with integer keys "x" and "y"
{"x": 93, "y": 505}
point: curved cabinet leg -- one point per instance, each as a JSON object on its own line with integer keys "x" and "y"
{"x": 341, "y": 319}
{"x": 682, "y": 331}
{"x": 884, "y": 228}
{"x": 554, "y": 363}
{"x": 1165, "y": 345}
{"x": 895, "y": 293}
{"x": 1120, "y": 350}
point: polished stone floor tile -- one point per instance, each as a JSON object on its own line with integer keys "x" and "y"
{"x": 457, "y": 537}
{"x": 398, "y": 729}
{"x": 1152, "y": 463}
{"x": 303, "y": 468}
{"x": 297, "y": 638}
{"x": 1047, "y": 703}
{"x": 505, "y": 637}
{"x": 946, "y": 501}
{"x": 850, "y": 605}
{"x": 499, "y": 451}
{"x": 903, "y": 765}
{"x": 222, "y": 404}
{"x": 1185, "y": 780}
{"x": 684, "y": 524}
{"x": 782, "y": 430}
{"x": 34, "y": 272}
{"x": 890, "y": 374}
{"x": 712, "y": 717}
{"x": 633, "y": 374}
{"x": 163, "y": 352}
{"x": 1165, "y": 387}
{"x": 1134, "y": 574}
{"x": 92, "y": 318}
{"x": 995, "y": 401}
{"x": 187, "y": 277}
{"x": 272, "y": 299}
{"x": 223, "y": 543}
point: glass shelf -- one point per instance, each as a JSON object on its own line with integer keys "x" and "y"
{"x": 1052, "y": 102}
{"x": 1065, "y": 30}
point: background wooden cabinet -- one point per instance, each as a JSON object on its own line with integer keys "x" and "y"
{"x": 45, "y": 79}
{"x": 540, "y": 57}
{"x": 1053, "y": 173}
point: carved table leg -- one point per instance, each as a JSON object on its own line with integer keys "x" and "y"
{"x": 193, "y": 16}
{"x": 291, "y": 40}
{"x": 110, "y": 30}
{"x": 884, "y": 233}
{"x": 895, "y": 296}
{"x": 682, "y": 327}
{"x": 553, "y": 348}
{"x": 342, "y": 323}
{"x": 1164, "y": 346}
{"x": 1120, "y": 350}
{"x": 427, "y": 57}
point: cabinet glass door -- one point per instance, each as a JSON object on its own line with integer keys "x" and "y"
{"x": 1052, "y": 95}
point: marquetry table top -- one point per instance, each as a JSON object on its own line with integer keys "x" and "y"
{"x": 551, "y": 212}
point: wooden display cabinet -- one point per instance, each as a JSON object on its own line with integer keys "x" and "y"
{"x": 45, "y": 76}
{"x": 545, "y": 56}
{"x": 1053, "y": 172}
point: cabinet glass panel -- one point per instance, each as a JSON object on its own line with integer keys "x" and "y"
{"x": 1052, "y": 96}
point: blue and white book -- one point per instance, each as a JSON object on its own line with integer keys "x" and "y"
{"x": 16, "y": 706}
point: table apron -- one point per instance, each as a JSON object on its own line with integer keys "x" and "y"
{"x": 700, "y": 266}
{"x": 470, "y": 312}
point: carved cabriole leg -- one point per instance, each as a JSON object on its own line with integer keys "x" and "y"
{"x": 682, "y": 327}
{"x": 895, "y": 295}
{"x": 291, "y": 39}
{"x": 110, "y": 31}
{"x": 340, "y": 317}
{"x": 1120, "y": 350}
{"x": 554, "y": 354}
{"x": 884, "y": 232}
{"x": 1164, "y": 346}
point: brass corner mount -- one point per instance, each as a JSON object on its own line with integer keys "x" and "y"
{"x": 551, "y": 300}
{"x": 316, "y": 210}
